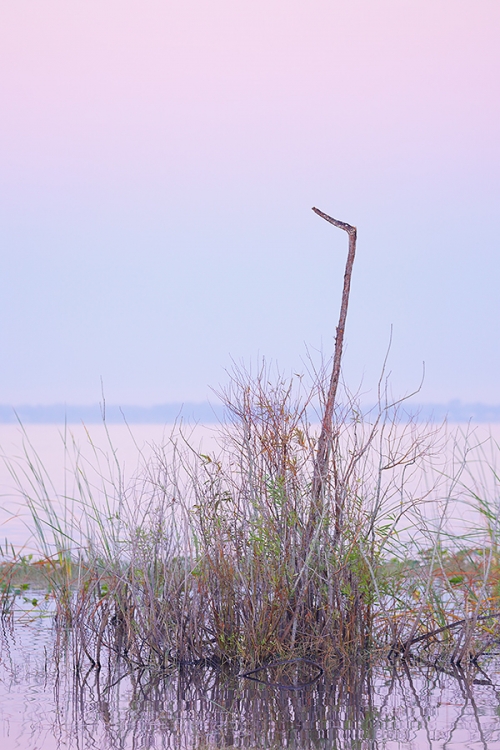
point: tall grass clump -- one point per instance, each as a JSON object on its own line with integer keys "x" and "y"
{"x": 287, "y": 572}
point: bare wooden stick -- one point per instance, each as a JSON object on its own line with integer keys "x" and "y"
{"x": 325, "y": 438}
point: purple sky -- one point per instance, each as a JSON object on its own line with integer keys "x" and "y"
{"x": 158, "y": 164}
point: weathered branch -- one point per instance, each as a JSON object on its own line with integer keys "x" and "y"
{"x": 325, "y": 438}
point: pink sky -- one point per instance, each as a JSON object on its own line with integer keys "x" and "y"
{"x": 116, "y": 87}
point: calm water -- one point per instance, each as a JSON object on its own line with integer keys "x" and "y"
{"x": 46, "y": 704}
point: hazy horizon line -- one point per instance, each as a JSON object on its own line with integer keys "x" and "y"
{"x": 208, "y": 413}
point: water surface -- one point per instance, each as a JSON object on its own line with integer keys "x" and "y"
{"x": 47, "y": 703}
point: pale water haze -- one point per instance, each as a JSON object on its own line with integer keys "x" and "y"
{"x": 75, "y": 462}
{"x": 158, "y": 165}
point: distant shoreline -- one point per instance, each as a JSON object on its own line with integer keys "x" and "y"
{"x": 206, "y": 413}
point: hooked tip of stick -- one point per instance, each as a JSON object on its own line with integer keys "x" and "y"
{"x": 325, "y": 216}
{"x": 340, "y": 224}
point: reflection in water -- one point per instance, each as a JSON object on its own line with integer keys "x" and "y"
{"x": 46, "y": 703}
{"x": 197, "y": 708}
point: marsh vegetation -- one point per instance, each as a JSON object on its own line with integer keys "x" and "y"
{"x": 314, "y": 539}
{"x": 229, "y": 559}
